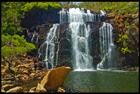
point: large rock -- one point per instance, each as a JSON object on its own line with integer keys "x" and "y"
{"x": 15, "y": 90}
{"x": 55, "y": 78}
{"x": 40, "y": 89}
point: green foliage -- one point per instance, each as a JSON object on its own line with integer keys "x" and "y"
{"x": 50, "y": 25}
{"x": 122, "y": 38}
{"x": 132, "y": 24}
{"x": 125, "y": 50}
{"x": 41, "y": 5}
{"x": 117, "y": 8}
{"x": 6, "y": 51}
{"x": 69, "y": 5}
{"x": 11, "y": 14}
{"x": 126, "y": 23}
{"x": 15, "y": 72}
{"x": 14, "y": 45}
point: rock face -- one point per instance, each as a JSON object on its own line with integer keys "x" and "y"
{"x": 39, "y": 24}
{"x": 55, "y": 78}
{"x": 39, "y": 17}
{"x": 95, "y": 46}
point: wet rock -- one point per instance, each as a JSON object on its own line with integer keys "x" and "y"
{"x": 40, "y": 89}
{"x": 15, "y": 90}
{"x": 55, "y": 78}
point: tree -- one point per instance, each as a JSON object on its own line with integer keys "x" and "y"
{"x": 13, "y": 46}
{"x": 11, "y": 15}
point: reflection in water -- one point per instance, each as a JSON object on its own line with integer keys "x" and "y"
{"x": 103, "y": 81}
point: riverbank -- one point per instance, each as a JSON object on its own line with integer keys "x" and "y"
{"x": 26, "y": 77}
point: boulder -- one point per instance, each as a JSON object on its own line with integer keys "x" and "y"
{"x": 7, "y": 86}
{"x": 55, "y": 78}
{"x": 40, "y": 89}
{"x": 15, "y": 90}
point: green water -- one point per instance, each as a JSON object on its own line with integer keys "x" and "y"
{"x": 103, "y": 81}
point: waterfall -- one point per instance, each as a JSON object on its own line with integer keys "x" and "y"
{"x": 102, "y": 13}
{"x": 50, "y": 41}
{"x": 32, "y": 39}
{"x": 107, "y": 47}
{"x": 81, "y": 58}
{"x": 77, "y": 19}
{"x": 77, "y": 15}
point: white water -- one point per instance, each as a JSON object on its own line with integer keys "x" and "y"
{"x": 107, "y": 47}
{"x": 51, "y": 39}
{"x": 102, "y": 13}
{"x": 77, "y": 15}
{"x": 32, "y": 39}
{"x": 81, "y": 58}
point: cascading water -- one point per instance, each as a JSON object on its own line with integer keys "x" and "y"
{"x": 32, "y": 39}
{"x": 107, "y": 47}
{"x": 81, "y": 58}
{"x": 77, "y": 15}
{"x": 80, "y": 36}
{"x": 51, "y": 39}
